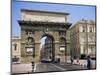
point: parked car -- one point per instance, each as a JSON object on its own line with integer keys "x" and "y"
{"x": 45, "y": 60}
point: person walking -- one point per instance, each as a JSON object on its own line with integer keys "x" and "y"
{"x": 78, "y": 61}
{"x": 71, "y": 60}
{"x": 89, "y": 64}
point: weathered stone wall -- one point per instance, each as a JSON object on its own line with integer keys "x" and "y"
{"x": 38, "y": 16}
{"x": 39, "y": 31}
{"x": 17, "y": 52}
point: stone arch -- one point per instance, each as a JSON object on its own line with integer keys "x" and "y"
{"x": 48, "y": 35}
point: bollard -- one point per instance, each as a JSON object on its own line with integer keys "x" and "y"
{"x": 32, "y": 66}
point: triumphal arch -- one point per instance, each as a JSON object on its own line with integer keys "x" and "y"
{"x": 37, "y": 24}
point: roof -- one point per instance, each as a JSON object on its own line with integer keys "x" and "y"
{"x": 41, "y": 11}
{"x": 83, "y": 22}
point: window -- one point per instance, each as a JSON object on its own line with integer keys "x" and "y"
{"x": 91, "y": 38}
{"x": 83, "y": 30}
{"x": 15, "y": 59}
{"x": 83, "y": 38}
{"x": 15, "y": 46}
{"x": 90, "y": 29}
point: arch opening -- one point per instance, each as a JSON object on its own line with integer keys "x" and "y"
{"x": 47, "y": 48}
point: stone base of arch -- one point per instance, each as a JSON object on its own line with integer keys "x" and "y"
{"x": 29, "y": 59}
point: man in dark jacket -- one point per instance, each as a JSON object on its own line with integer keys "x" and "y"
{"x": 89, "y": 64}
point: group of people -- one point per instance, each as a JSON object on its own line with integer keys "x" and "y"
{"x": 89, "y": 63}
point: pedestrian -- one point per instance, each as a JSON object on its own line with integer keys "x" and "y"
{"x": 71, "y": 60}
{"x": 32, "y": 66}
{"x": 89, "y": 64}
{"x": 78, "y": 61}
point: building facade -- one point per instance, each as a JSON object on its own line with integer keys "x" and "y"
{"x": 83, "y": 39}
{"x": 37, "y": 24}
{"x": 16, "y": 51}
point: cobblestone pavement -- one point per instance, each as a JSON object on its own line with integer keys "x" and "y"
{"x": 45, "y": 67}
